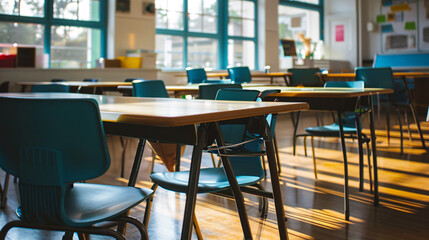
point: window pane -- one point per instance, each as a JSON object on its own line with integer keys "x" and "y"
{"x": 74, "y": 47}
{"x": 85, "y": 10}
{"x": 31, "y": 8}
{"x": 209, "y": 24}
{"x": 170, "y": 52}
{"x": 195, "y": 23}
{"x": 210, "y": 7}
{"x": 169, "y": 14}
{"x": 241, "y": 18}
{"x": 202, "y": 52}
{"x": 296, "y": 21}
{"x": 241, "y": 53}
{"x": 195, "y": 6}
{"x": 235, "y": 8}
{"x": 23, "y": 34}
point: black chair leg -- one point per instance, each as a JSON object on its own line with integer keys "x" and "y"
{"x": 4, "y": 192}
{"x": 368, "y": 151}
{"x": 418, "y": 125}
{"x": 400, "y": 128}
{"x": 294, "y": 132}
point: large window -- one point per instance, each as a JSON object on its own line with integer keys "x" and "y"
{"x": 205, "y": 33}
{"x": 302, "y": 21}
{"x": 70, "y": 33}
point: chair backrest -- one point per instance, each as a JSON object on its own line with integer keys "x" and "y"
{"x": 196, "y": 75}
{"x": 375, "y": 77}
{"x": 49, "y": 144}
{"x": 350, "y": 84}
{"x": 90, "y": 80}
{"x": 4, "y": 87}
{"x": 307, "y": 77}
{"x": 209, "y": 91}
{"x": 58, "y": 80}
{"x": 50, "y": 88}
{"x": 235, "y": 133}
{"x": 239, "y": 74}
{"x": 149, "y": 88}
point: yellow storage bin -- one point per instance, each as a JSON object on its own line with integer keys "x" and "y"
{"x": 131, "y": 62}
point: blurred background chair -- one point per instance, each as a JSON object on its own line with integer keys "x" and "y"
{"x": 209, "y": 91}
{"x": 199, "y": 75}
{"x": 240, "y": 74}
{"x": 4, "y": 87}
{"x": 50, "y": 88}
{"x": 52, "y": 145}
{"x": 91, "y": 80}
{"x": 383, "y": 78}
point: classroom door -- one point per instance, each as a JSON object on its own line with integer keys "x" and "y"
{"x": 340, "y": 40}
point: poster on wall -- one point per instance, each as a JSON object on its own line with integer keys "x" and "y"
{"x": 339, "y": 33}
{"x": 424, "y": 24}
{"x": 399, "y": 26}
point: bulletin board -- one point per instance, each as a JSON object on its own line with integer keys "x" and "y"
{"x": 398, "y": 22}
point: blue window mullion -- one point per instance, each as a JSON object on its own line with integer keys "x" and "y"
{"x": 49, "y": 12}
{"x": 223, "y": 33}
{"x": 185, "y": 35}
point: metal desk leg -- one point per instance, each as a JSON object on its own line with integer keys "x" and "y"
{"x": 346, "y": 170}
{"x": 294, "y": 131}
{"x": 235, "y": 188}
{"x": 194, "y": 174}
{"x": 374, "y": 152}
{"x": 137, "y": 162}
{"x": 360, "y": 143}
{"x": 275, "y": 182}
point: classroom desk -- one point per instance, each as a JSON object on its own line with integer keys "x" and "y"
{"x": 176, "y": 120}
{"x": 77, "y": 85}
{"x": 325, "y": 99}
{"x": 271, "y": 76}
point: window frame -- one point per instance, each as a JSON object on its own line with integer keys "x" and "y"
{"x": 48, "y": 21}
{"x": 221, "y": 34}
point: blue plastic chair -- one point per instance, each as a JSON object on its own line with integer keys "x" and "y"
{"x": 383, "y": 78}
{"x": 52, "y": 145}
{"x": 349, "y": 129}
{"x": 198, "y": 75}
{"x": 149, "y": 88}
{"x": 239, "y": 74}
{"x": 51, "y": 88}
{"x": 306, "y": 77}
{"x": 209, "y": 91}
{"x": 245, "y": 160}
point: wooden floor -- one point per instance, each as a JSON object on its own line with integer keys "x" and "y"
{"x": 314, "y": 208}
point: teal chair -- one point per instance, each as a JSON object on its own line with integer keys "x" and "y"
{"x": 52, "y": 145}
{"x": 383, "y": 78}
{"x": 198, "y": 75}
{"x": 245, "y": 160}
{"x": 149, "y": 88}
{"x": 350, "y": 120}
{"x": 154, "y": 88}
{"x": 306, "y": 77}
{"x": 240, "y": 74}
{"x": 51, "y": 88}
{"x": 209, "y": 91}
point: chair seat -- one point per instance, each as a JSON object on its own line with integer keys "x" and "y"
{"x": 86, "y": 204}
{"x": 211, "y": 180}
{"x": 332, "y": 130}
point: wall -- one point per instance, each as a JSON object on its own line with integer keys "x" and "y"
{"x": 133, "y": 30}
{"x": 371, "y": 41}
{"x": 342, "y": 12}
{"x": 268, "y": 39}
